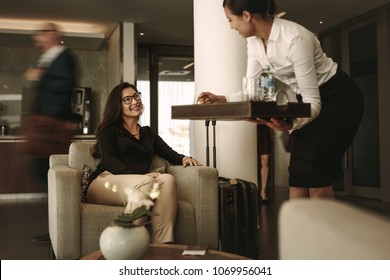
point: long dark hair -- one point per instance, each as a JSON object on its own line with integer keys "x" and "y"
{"x": 112, "y": 112}
{"x": 261, "y": 7}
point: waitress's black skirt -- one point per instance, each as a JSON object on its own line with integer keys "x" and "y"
{"x": 317, "y": 149}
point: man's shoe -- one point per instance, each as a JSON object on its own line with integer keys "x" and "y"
{"x": 42, "y": 239}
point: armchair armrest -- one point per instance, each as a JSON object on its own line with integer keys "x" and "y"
{"x": 58, "y": 159}
{"x": 199, "y": 187}
{"x": 64, "y": 197}
{"x": 333, "y": 230}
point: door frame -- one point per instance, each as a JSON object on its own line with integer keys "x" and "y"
{"x": 155, "y": 52}
{"x": 382, "y": 20}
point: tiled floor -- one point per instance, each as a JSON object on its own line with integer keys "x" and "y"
{"x": 21, "y": 219}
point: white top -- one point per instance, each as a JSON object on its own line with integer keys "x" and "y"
{"x": 295, "y": 57}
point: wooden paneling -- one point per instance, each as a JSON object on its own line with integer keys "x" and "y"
{"x": 15, "y": 171}
{"x": 18, "y": 170}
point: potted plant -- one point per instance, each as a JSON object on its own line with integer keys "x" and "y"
{"x": 127, "y": 238}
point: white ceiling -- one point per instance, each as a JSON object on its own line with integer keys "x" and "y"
{"x": 166, "y": 21}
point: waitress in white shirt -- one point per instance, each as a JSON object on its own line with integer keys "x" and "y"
{"x": 295, "y": 57}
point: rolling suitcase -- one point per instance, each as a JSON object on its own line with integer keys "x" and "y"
{"x": 238, "y": 210}
{"x": 238, "y": 217}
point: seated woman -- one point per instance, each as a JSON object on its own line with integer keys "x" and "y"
{"x": 126, "y": 149}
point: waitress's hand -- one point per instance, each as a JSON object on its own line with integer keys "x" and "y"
{"x": 274, "y": 123}
{"x": 208, "y": 97}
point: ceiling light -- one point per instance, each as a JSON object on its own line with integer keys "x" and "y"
{"x": 174, "y": 73}
{"x": 34, "y": 25}
{"x": 188, "y": 65}
{"x": 76, "y": 35}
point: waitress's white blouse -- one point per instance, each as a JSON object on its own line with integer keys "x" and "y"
{"x": 295, "y": 57}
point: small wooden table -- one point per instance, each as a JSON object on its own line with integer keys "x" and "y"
{"x": 173, "y": 252}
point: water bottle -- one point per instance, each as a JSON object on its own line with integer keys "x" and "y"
{"x": 271, "y": 87}
{"x": 264, "y": 84}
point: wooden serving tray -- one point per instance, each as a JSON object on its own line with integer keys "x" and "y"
{"x": 240, "y": 110}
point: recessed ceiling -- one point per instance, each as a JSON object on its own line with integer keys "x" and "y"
{"x": 169, "y": 22}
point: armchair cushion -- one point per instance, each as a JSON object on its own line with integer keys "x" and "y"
{"x": 87, "y": 171}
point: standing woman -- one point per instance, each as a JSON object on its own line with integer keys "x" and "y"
{"x": 264, "y": 148}
{"x": 126, "y": 150}
{"x": 295, "y": 57}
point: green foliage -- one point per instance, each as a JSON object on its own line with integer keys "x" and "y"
{"x": 126, "y": 219}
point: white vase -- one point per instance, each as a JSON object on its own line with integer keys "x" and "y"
{"x": 119, "y": 243}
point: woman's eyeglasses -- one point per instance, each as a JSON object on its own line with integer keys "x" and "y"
{"x": 128, "y": 99}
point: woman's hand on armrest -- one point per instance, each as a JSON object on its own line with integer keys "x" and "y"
{"x": 189, "y": 161}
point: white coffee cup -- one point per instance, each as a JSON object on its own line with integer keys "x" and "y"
{"x": 281, "y": 98}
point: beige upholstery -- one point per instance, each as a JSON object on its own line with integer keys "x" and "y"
{"x": 320, "y": 229}
{"x": 75, "y": 227}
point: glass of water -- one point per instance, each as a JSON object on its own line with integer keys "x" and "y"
{"x": 251, "y": 89}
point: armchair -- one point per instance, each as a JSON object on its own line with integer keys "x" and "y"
{"x": 75, "y": 226}
{"x": 325, "y": 229}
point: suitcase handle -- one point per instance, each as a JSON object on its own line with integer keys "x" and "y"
{"x": 207, "y": 124}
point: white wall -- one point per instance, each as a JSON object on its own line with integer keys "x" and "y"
{"x": 121, "y": 55}
{"x": 220, "y": 63}
{"x": 114, "y": 57}
{"x": 129, "y": 47}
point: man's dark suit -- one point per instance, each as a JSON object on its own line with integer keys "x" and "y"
{"x": 49, "y": 128}
{"x": 54, "y": 90}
